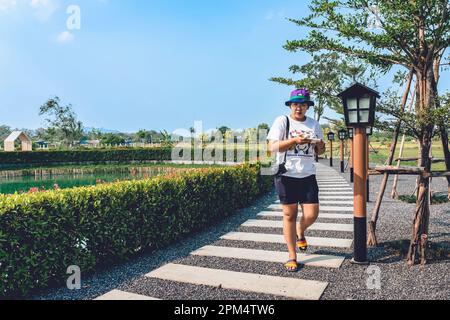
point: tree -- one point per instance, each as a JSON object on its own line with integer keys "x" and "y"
{"x": 112, "y": 139}
{"x": 62, "y": 121}
{"x": 263, "y": 126}
{"x": 443, "y": 131}
{"x": 223, "y": 130}
{"x": 412, "y": 34}
{"x": 166, "y": 139}
{"x": 325, "y": 76}
{"x": 4, "y": 132}
{"x": 95, "y": 134}
{"x": 144, "y": 136}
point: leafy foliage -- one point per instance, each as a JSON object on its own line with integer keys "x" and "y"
{"x": 326, "y": 75}
{"x": 41, "y": 234}
{"x": 62, "y": 121}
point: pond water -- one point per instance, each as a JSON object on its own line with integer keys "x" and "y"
{"x": 47, "y": 182}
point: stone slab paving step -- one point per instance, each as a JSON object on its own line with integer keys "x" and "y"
{"x": 322, "y": 208}
{"x": 316, "y": 226}
{"x": 336, "y": 202}
{"x": 336, "y": 197}
{"x": 329, "y": 177}
{"x": 326, "y": 197}
{"x": 321, "y": 215}
{"x": 275, "y": 238}
{"x": 333, "y": 185}
{"x": 123, "y": 296}
{"x": 313, "y": 260}
{"x": 249, "y": 282}
{"x": 336, "y": 189}
{"x": 328, "y": 193}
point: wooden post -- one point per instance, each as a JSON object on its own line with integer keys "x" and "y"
{"x": 394, "y": 193}
{"x": 342, "y": 156}
{"x": 351, "y": 162}
{"x": 360, "y": 205}
{"x": 331, "y": 153}
{"x": 367, "y": 168}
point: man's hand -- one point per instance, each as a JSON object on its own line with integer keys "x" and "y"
{"x": 301, "y": 140}
{"x": 320, "y": 148}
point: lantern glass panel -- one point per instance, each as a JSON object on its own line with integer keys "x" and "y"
{"x": 364, "y": 116}
{"x": 353, "y": 116}
{"x": 364, "y": 103}
{"x": 352, "y": 104}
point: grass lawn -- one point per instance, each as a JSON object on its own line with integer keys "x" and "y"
{"x": 410, "y": 151}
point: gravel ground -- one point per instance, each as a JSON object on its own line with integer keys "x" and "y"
{"x": 398, "y": 281}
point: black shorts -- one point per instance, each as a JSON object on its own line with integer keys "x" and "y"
{"x": 295, "y": 190}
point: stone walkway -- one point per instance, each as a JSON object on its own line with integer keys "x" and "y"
{"x": 336, "y": 204}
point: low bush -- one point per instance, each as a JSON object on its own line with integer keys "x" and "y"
{"x": 43, "y": 233}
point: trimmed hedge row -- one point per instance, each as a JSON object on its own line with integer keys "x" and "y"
{"x": 46, "y": 157}
{"x": 20, "y": 159}
{"x": 42, "y": 234}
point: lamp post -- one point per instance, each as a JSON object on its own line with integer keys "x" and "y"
{"x": 331, "y": 139}
{"x": 350, "y": 136}
{"x": 359, "y": 104}
{"x": 342, "y": 136}
{"x": 369, "y": 132}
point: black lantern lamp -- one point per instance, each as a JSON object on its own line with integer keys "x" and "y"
{"x": 342, "y": 135}
{"x": 359, "y": 105}
{"x": 350, "y": 133}
{"x": 330, "y": 136}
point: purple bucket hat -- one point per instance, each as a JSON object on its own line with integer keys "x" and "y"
{"x": 300, "y": 96}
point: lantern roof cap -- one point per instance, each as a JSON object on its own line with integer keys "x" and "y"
{"x": 358, "y": 87}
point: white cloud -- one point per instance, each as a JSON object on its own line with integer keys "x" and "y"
{"x": 65, "y": 37}
{"x": 44, "y": 9}
{"x": 7, "y": 4}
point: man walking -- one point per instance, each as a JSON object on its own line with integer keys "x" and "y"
{"x": 297, "y": 139}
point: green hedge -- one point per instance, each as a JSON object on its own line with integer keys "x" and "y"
{"x": 46, "y": 157}
{"x": 42, "y": 234}
{"x": 20, "y": 159}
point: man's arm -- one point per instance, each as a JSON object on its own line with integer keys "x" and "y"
{"x": 285, "y": 145}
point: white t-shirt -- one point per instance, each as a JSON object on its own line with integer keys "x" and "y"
{"x": 300, "y": 161}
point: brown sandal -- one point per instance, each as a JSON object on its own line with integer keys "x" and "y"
{"x": 291, "y": 265}
{"x": 302, "y": 244}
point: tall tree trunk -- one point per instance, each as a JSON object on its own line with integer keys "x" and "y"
{"x": 426, "y": 101}
{"x": 422, "y": 213}
{"x": 371, "y": 237}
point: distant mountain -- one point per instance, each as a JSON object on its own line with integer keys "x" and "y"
{"x": 102, "y": 130}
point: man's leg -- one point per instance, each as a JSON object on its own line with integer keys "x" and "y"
{"x": 310, "y": 215}
{"x": 290, "y": 213}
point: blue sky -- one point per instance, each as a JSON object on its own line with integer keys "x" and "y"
{"x": 148, "y": 64}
